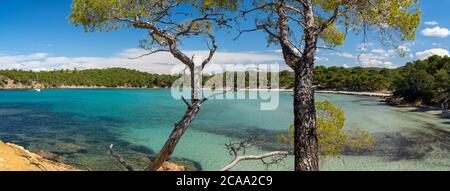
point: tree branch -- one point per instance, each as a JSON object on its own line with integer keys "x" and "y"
{"x": 330, "y": 20}
{"x": 246, "y": 31}
{"x": 218, "y": 94}
{"x": 212, "y": 50}
{"x": 243, "y": 13}
{"x": 186, "y": 102}
{"x": 120, "y": 159}
{"x": 236, "y": 148}
{"x": 150, "y": 53}
{"x": 238, "y": 159}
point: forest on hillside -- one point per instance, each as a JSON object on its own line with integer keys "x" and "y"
{"x": 427, "y": 80}
{"x": 112, "y": 77}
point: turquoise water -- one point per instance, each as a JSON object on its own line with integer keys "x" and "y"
{"x": 79, "y": 125}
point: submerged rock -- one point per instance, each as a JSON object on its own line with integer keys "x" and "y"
{"x": 69, "y": 147}
{"x": 50, "y": 156}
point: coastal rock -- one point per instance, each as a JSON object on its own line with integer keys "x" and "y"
{"x": 395, "y": 101}
{"x": 169, "y": 166}
{"x": 16, "y": 158}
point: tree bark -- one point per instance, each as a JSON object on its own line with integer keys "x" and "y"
{"x": 196, "y": 82}
{"x": 306, "y": 142}
{"x": 305, "y": 135}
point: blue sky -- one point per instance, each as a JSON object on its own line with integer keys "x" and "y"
{"x": 36, "y": 35}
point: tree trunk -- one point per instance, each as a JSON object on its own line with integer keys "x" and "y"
{"x": 175, "y": 137}
{"x": 185, "y": 122}
{"x": 306, "y": 141}
{"x": 196, "y": 82}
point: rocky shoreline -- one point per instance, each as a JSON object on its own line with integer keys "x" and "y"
{"x": 418, "y": 107}
{"x": 16, "y": 158}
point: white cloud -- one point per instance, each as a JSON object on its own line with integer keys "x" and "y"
{"x": 374, "y": 57}
{"x": 436, "y": 32}
{"x": 431, "y": 23}
{"x": 318, "y": 58}
{"x": 344, "y": 54}
{"x": 156, "y": 63}
{"x": 384, "y": 53}
{"x": 370, "y": 60}
{"x": 377, "y": 58}
{"x": 431, "y": 52}
{"x": 345, "y": 66}
{"x": 278, "y": 51}
{"x": 378, "y": 51}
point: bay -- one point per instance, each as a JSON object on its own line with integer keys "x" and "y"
{"x": 80, "y": 124}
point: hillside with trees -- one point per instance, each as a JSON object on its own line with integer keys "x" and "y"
{"x": 354, "y": 79}
{"x": 113, "y": 77}
{"x": 336, "y": 78}
{"x": 426, "y": 81}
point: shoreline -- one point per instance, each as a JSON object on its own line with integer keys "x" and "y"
{"x": 384, "y": 96}
{"x": 376, "y": 94}
{"x": 370, "y": 94}
{"x": 81, "y": 87}
{"x": 427, "y": 110}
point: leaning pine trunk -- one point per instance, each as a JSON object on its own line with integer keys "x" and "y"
{"x": 185, "y": 122}
{"x": 175, "y": 137}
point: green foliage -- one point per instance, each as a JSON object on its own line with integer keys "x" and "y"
{"x": 287, "y": 79}
{"x": 354, "y": 79}
{"x": 391, "y": 19}
{"x": 329, "y": 78}
{"x": 107, "y": 15}
{"x": 333, "y": 139}
{"x": 2, "y": 81}
{"x": 332, "y": 36}
{"x": 166, "y": 23}
{"x": 114, "y": 77}
{"x": 426, "y": 81}
{"x": 211, "y": 4}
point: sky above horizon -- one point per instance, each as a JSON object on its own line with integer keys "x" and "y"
{"x": 36, "y": 35}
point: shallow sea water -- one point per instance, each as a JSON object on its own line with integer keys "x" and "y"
{"x": 80, "y": 124}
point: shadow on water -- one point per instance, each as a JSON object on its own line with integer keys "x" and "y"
{"x": 412, "y": 144}
{"x": 445, "y": 117}
{"x": 81, "y": 141}
{"x": 438, "y": 113}
{"x": 262, "y": 138}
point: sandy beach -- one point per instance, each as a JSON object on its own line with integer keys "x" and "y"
{"x": 372, "y": 94}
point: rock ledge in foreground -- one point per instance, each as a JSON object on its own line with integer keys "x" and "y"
{"x": 16, "y": 158}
